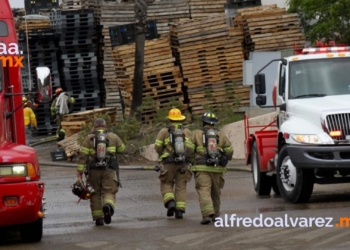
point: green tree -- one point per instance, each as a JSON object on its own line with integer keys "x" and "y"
{"x": 323, "y": 20}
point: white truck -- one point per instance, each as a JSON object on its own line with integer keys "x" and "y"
{"x": 310, "y": 141}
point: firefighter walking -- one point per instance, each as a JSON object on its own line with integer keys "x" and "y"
{"x": 29, "y": 119}
{"x": 212, "y": 152}
{"x": 172, "y": 143}
{"x": 99, "y": 161}
{"x": 61, "y": 105}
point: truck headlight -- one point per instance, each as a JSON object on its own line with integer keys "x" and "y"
{"x": 311, "y": 139}
{"x": 15, "y": 170}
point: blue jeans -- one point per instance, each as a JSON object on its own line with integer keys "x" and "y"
{"x": 28, "y": 135}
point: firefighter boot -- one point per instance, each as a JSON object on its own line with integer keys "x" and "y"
{"x": 207, "y": 220}
{"x": 108, "y": 213}
{"x": 99, "y": 222}
{"x": 171, "y": 208}
{"x": 178, "y": 214}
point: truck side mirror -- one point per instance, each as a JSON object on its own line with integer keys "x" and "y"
{"x": 260, "y": 86}
{"x": 260, "y": 100}
{"x": 44, "y": 85}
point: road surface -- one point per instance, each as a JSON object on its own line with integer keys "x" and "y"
{"x": 141, "y": 223}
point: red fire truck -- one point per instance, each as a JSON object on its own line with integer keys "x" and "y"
{"x": 21, "y": 191}
{"x": 309, "y": 141}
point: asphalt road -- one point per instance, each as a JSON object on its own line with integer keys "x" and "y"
{"x": 141, "y": 223}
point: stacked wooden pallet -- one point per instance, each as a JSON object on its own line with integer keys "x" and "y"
{"x": 71, "y": 144}
{"x": 269, "y": 28}
{"x": 109, "y": 14}
{"x": 33, "y": 23}
{"x": 211, "y": 62}
{"x": 204, "y": 8}
{"x": 161, "y": 79}
{"x": 73, "y": 123}
{"x": 72, "y": 5}
{"x": 168, "y": 11}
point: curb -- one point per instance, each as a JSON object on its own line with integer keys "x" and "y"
{"x": 72, "y": 165}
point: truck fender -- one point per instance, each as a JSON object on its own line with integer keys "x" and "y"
{"x": 299, "y": 125}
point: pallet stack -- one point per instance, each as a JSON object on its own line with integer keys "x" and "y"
{"x": 73, "y": 123}
{"x": 109, "y": 14}
{"x": 211, "y": 63}
{"x": 269, "y": 28}
{"x": 78, "y": 59}
{"x": 161, "y": 79}
{"x": 72, "y": 4}
{"x": 201, "y": 9}
{"x": 42, "y": 52}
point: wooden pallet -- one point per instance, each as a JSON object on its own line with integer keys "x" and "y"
{"x": 90, "y": 115}
{"x": 33, "y": 24}
{"x": 211, "y": 59}
{"x": 202, "y": 9}
{"x": 72, "y": 128}
{"x": 161, "y": 78}
{"x": 71, "y": 144}
{"x": 268, "y": 28}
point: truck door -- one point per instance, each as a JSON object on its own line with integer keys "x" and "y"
{"x": 281, "y": 92}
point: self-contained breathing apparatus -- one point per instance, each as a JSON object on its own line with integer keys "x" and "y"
{"x": 177, "y": 141}
{"x": 213, "y": 155}
{"x": 103, "y": 158}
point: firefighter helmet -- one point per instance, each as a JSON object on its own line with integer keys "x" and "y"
{"x": 24, "y": 99}
{"x": 210, "y": 118}
{"x": 58, "y": 90}
{"x": 176, "y": 115}
{"x": 79, "y": 190}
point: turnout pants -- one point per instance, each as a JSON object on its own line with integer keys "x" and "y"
{"x": 208, "y": 186}
{"x": 105, "y": 184}
{"x": 171, "y": 178}
{"x": 59, "y": 119}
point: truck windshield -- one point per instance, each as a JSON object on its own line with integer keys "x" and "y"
{"x": 3, "y": 29}
{"x": 319, "y": 77}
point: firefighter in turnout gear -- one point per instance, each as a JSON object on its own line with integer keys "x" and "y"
{"x": 29, "y": 119}
{"x": 213, "y": 150}
{"x": 172, "y": 144}
{"x": 61, "y": 105}
{"x": 99, "y": 161}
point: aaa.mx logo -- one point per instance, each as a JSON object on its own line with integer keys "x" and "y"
{"x": 10, "y": 56}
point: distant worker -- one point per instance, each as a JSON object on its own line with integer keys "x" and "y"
{"x": 62, "y": 105}
{"x": 213, "y": 150}
{"x": 172, "y": 145}
{"x": 29, "y": 119}
{"x": 98, "y": 160}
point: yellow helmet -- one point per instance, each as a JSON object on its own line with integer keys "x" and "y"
{"x": 176, "y": 115}
{"x": 24, "y": 99}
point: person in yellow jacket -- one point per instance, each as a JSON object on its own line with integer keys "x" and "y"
{"x": 98, "y": 159}
{"x": 174, "y": 170}
{"x": 29, "y": 119}
{"x": 213, "y": 150}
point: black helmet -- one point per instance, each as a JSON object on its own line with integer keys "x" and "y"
{"x": 77, "y": 189}
{"x": 210, "y": 118}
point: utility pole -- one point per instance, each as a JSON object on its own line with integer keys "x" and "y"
{"x": 140, "y": 30}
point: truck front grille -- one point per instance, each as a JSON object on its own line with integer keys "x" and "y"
{"x": 339, "y": 122}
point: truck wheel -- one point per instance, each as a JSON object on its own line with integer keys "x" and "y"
{"x": 275, "y": 185}
{"x": 32, "y": 232}
{"x": 262, "y": 182}
{"x": 296, "y": 184}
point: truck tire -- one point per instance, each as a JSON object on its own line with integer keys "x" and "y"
{"x": 32, "y": 232}
{"x": 295, "y": 184}
{"x": 262, "y": 182}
